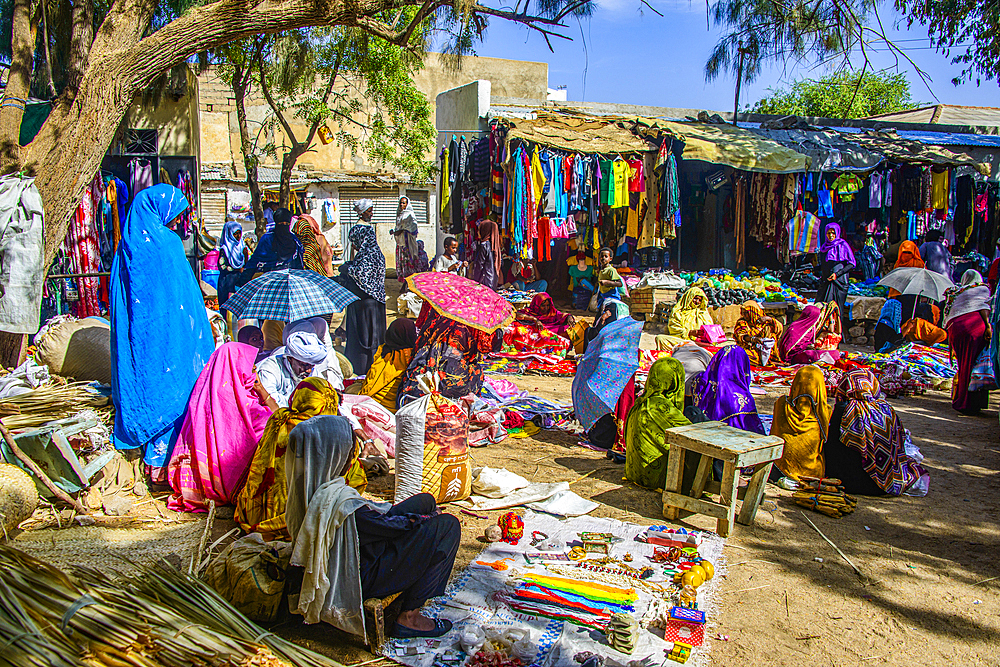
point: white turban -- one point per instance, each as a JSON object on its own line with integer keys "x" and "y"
{"x": 316, "y": 325}
{"x": 306, "y": 347}
{"x": 363, "y": 205}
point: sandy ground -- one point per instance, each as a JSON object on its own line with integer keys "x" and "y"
{"x": 929, "y": 594}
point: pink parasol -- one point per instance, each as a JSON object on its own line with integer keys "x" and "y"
{"x": 462, "y": 300}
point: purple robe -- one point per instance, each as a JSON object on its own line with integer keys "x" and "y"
{"x": 722, "y": 392}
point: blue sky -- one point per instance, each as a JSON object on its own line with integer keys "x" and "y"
{"x": 628, "y": 54}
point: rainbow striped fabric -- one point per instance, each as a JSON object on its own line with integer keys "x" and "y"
{"x": 803, "y": 233}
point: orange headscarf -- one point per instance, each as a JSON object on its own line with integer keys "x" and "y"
{"x": 909, "y": 255}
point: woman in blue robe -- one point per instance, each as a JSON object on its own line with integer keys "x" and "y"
{"x": 160, "y": 335}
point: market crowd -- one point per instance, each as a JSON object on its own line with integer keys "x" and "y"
{"x": 269, "y": 422}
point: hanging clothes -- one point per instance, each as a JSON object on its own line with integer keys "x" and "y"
{"x": 141, "y": 174}
{"x": 22, "y": 248}
{"x": 83, "y": 247}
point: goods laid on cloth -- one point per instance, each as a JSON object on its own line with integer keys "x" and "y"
{"x": 156, "y": 617}
{"x": 289, "y": 295}
{"x": 432, "y": 447}
{"x": 525, "y": 598}
{"x": 22, "y": 269}
{"x": 79, "y": 349}
{"x": 463, "y": 300}
{"x": 608, "y": 365}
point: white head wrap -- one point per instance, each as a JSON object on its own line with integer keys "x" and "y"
{"x": 306, "y": 347}
{"x": 316, "y": 325}
{"x": 363, "y": 205}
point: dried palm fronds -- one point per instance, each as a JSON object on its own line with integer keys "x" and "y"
{"x": 155, "y": 618}
{"x": 50, "y": 402}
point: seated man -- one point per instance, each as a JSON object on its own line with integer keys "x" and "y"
{"x": 448, "y": 260}
{"x": 523, "y": 275}
{"x": 303, "y": 356}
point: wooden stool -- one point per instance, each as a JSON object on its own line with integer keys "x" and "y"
{"x": 375, "y": 620}
{"x": 737, "y": 449}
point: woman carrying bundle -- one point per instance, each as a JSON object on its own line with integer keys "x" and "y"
{"x": 967, "y": 317}
{"x": 865, "y": 447}
{"x": 758, "y": 334}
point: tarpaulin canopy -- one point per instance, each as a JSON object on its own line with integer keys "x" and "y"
{"x": 577, "y": 133}
{"x": 899, "y": 149}
{"x": 721, "y": 143}
{"x": 828, "y": 149}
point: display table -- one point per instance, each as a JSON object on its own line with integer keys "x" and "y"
{"x": 737, "y": 449}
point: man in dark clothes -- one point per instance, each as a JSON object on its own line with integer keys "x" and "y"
{"x": 935, "y": 254}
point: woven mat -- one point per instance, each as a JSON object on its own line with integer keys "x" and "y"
{"x": 471, "y": 598}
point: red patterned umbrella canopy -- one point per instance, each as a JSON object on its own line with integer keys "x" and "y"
{"x": 463, "y": 300}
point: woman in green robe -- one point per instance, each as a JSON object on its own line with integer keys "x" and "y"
{"x": 661, "y": 407}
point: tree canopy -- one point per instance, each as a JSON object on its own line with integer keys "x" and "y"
{"x": 840, "y": 95}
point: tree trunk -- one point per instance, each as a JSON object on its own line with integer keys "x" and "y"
{"x": 18, "y": 86}
{"x": 241, "y": 84}
{"x": 288, "y": 161}
{"x": 83, "y": 36}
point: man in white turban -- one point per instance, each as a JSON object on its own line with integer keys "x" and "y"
{"x": 365, "y": 208}
{"x": 303, "y": 355}
{"x": 331, "y": 371}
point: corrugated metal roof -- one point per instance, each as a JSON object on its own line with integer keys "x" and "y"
{"x": 952, "y": 138}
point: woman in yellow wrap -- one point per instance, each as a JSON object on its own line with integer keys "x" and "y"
{"x": 661, "y": 407}
{"x": 757, "y": 333}
{"x": 260, "y": 503}
{"x": 802, "y": 419}
{"x": 689, "y": 315}
{"x": 391, "y": 360}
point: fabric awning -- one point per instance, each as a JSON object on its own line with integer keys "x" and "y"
{"x": 908, "y": 151}
{"x": 828, "y": 149}
{"x": 725, "y": 144}
{"x": 578, "y": 134}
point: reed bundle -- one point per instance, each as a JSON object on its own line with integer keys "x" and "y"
{"x": 51, "y": 402}
{"x": 826, "y": 496}
{"x": 158, "y": 617}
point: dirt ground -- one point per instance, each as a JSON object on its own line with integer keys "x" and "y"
{"x": 929, "y": 594}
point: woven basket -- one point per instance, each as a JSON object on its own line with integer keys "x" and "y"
{"x": 18, "y": 496}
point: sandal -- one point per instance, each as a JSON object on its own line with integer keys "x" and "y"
{"x": 441, "y": 627}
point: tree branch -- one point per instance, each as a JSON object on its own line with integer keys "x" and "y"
{"x": 274, "y": 105}
{"x": 326, "y": 97}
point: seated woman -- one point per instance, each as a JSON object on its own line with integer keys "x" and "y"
{"x": 695, "y": 360}
{"x": 222, "y": 424}
{"x": 798, "y": 345}
{"x": 453, "y": 349}
{"x": 758, "y": 334}
{"x": 611, "y": 311}
{"x": 660, "y": 407}
{"x": 830, "y": 331}
{"x": 260, "y": 502}
{"x": 865, "y": 445}
{"x": 887, "y": 331}
{"x": 391, "y": 360}
{"x": 350, "y": 549}
{"x": 582, "y": 286}
{"x": 723, "y": 391}
{"x": 802, "y": 419}
{"x": 689, "y": 315}
{"x": 542, "y": 312}
{"x": 923, "y": 326}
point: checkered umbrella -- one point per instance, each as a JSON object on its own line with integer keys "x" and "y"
{"x": 289, "y": 295}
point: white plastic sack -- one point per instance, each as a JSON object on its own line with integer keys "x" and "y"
{"x": 493, "y": 483}
{"x": 22, "y": 250}
{"x": 408, "y": 305}
{"x": 432, "y": 447}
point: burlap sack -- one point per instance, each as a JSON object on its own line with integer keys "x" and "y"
{"x": 79, "y": 349}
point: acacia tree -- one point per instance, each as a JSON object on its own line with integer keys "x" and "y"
{"x": 112, "y": 58}
{"x": 320, "y": 77}
{"x": 969, "y": 28}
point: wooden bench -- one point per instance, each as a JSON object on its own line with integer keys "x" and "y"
{"x": 375, "y": 620}
{"x": 737, "y": 449}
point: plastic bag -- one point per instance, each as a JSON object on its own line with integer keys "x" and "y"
{"x": 712, "y": 333}
{"x": 432, "y": 447}
{"x": 493, "y": 483}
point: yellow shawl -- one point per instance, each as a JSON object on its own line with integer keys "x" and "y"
{"x": 685, "y": 317}
{"x": 801, "y": 419}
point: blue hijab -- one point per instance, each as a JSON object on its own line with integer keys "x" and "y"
{"x": 232, "y": 248}
{"x": 892, "y": 314}
{"x": 160, "y": 335}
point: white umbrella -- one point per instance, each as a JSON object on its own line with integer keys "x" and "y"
{"x": 915, "y": 280}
